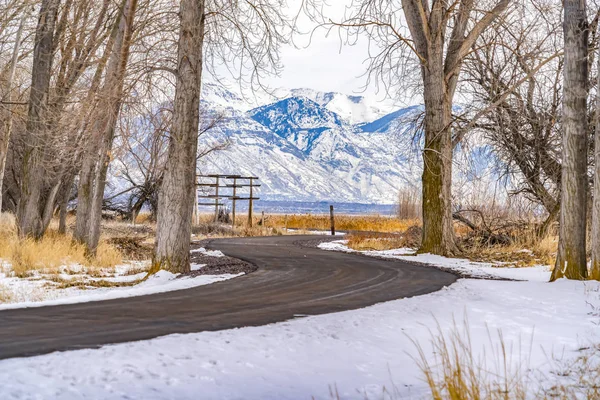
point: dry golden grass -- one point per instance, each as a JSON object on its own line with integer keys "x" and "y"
{"x": 368, "y": 223}
{"x": 454, "y": 373}
{"x": 81, "y": 283}
{"x": 143, "y": 218}
{"x": 6, "y": 294}
{"x": 380, "y": 241}
{"x": 525, "y": 250}
{"x": 49, "y": 253}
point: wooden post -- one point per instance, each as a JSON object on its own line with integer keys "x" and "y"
{"x": 233, "y": 205}
{"x": 262, "y": 222}
{"x": 195, "y": 209}
{"x": 250, "y": 204}
{"x": 332, "y": 220}
{"x": 217, "y": 200}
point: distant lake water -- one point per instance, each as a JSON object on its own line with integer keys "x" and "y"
{"x": 320, "y": 207}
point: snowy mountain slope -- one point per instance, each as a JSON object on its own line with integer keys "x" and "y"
{"x": 303, "y": 151}
{"x": 286, "y": 173}
{"x": 354, "y": 109}
{"x": 297, "y": 119}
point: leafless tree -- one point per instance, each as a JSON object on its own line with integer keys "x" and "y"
{"x": 67, "y": 49}
{"x": 595, "y": 236}
{"x": 439, "y": 35}
{"x": 92, "y": 177}
{"x": 244, "y": 35}
{"x": 571, "y": 260}
{"x": 518, "y": 70}
{"x": 11, "y": 66}
{"x": 28, "y": 214}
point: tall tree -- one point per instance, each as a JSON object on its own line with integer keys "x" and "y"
{"x": 571, "y": 259}
{"x": 8, "y": 120}
{"x": 595, "y": 239}
{"x": 176, "y": 199}
{"x": 92, "y": 178}
{"x": 243, "y": 35}
{"x": 28, "y": 214}
{"x": 442, "y": 34}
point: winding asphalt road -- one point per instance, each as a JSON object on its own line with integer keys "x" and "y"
{"x": 292, "y": 281}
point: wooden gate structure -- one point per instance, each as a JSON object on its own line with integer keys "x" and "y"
{"x": 230, "y": 184}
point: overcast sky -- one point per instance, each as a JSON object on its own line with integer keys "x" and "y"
{"x": 325, "y": 65}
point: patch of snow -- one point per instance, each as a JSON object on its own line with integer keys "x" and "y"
{"x": 540, "y": 273}
{"x": 210, "y": 253}
{"x": 197, "y": 267}
{"x": 37, "y": 293}
{"x": 360, "y": 354}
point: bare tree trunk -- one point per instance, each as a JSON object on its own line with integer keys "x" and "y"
{"x": 64, "y": 203}
{"x": 595, "y": 264}
{"x": 438, "y": 228}
{"x": 571, "y": 259}
{"x": 95, "y": 164}
{"x": 5, "y": 138}
{"x": 50, "y": 206}
{"x": 29, "y": 218}
{"x": 174, "y": 220}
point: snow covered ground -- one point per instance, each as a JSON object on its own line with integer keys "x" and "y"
{"x": 540, "y": 273}
{"x": 50, "y": 289}
{"x": 359, "y": 354}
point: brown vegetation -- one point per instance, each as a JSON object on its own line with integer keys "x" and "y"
{"x": 366, "y": 223}
{"x": 49, "y": 253}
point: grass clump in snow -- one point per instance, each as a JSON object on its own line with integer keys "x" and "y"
{"x": 50, "y": 253}
{"x": 6, "y": 294}
{"x": 455, "y": 373}
{"x": 82, "y": 283}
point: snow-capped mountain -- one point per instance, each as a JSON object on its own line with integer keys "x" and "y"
{"x": 354, "y": 109}
{"x": 297, "y": 119}
{"x": 304, "y": 151}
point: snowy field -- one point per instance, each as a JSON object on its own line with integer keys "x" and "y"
{"x": 53, "y": 289}
{"x": 367, "y": 353}
{"x": 462, "y": 266}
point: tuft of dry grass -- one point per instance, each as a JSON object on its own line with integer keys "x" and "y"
{"x": 6, "y": 294}
{"x": 455, "y": 373}
{"x": 525, "y": 250}
{"x": 375, "y": 241}
{"x": 91, "y": 283}
{"x": 51, "y": 252}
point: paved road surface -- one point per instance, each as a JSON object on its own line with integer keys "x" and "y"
{"x": 291, "y": 281}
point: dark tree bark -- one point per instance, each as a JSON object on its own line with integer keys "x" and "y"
{"x": 5, "y": 137}
{"x": 64, "y": 203}
{"x": 176, "y": 197}
{"x": 29, "y": 214}
{"x": 441, "y": 62}
{"x": 595, "y": 263}
{"x": 571, "y": 259}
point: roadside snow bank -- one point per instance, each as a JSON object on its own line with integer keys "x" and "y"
{"x": 540, "y": 273}
{"x": 78, "y": 284}
{"x": 161, "y": 282}
{"x": 360, "y": 354}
